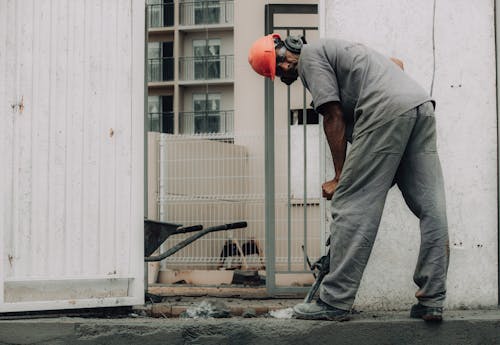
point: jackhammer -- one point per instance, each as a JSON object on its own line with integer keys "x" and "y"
{"x": 319, "y": 269}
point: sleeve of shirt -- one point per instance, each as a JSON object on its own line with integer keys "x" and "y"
{"x": 319, "y": 77}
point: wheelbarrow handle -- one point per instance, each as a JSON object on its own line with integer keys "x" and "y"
{"x": 188, "y": 229}
{"x": 182, "y": 244}
{"x": 237, "y": 225}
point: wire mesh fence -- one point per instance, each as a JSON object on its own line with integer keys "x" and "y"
{"x": 202, "y": 180}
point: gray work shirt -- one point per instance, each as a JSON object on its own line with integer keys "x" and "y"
{"x": 371, "y": 89}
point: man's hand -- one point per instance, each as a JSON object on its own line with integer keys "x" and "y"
{"x": 329, "y": 188}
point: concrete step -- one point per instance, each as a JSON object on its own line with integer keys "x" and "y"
{"x": 459, "y": 327}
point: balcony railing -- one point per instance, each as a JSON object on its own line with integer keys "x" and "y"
{"x": 207, "y": 122}
{"x": 206, "y": 12}
{"x": 206, "y": 68}
{"x": 161, "y": 69}
{"x": 161, "y": 14}
{"x": 161, "y": 122}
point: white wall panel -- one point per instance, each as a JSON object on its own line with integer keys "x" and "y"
{"x": 71, "y": 142}
{"x": 464, "y": 87}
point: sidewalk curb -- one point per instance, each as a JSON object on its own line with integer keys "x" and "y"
{"x": 459, "y": 327}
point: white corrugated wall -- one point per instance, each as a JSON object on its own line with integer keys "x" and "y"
{"x": 71, "y": 150}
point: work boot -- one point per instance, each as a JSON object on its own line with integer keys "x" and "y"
{"x": 430, "y": 314}
{"x": 319, "y": 310}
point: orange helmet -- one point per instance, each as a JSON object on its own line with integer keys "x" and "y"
{"x": 262, "y": 56}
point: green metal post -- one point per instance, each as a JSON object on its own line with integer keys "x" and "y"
{"x": 304, "y": 124}
{"x": 289, "y": 188}
{"x": 270, "y": 202}
{"x": 497, "y": 46}
{"x": 270, "y": 223}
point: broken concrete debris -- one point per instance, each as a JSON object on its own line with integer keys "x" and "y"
{"x": 208, "y": 309}
{"x": 286, "y": 313}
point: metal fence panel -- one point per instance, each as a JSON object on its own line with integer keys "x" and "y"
{"x": 293, "y": 214}
{"x": 204, "y": 179}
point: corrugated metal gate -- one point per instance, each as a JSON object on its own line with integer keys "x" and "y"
{"x": 71, "y": 142}
{"x": 292, "y": 147}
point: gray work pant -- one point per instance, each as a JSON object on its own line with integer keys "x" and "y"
{"x": 401, "y": 151}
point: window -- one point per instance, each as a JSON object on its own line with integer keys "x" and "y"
{"x": 154, "y": 65}
{"x": 167, "y": 60}
{"x": 161, "y": 61}
{"x": 160, "y": 114}
{"x": 206, "y": 12}
{"x": 168, "y": 13}
{"x": 160, "y": 13}
{"x": 206, "y": 59}
{"x": 155, "y": 13}
{"x": 154, "y": 110}
{"x": 206, "y": 113}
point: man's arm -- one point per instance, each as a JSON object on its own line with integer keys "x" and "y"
{"x": 334, "y": 127}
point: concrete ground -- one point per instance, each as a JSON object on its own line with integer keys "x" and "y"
{"x": 160, "y": 324}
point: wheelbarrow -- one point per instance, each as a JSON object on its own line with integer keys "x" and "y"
{"x": 155, "y": 233}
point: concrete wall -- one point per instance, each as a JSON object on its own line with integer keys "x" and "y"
{"x": 464, "y": 87}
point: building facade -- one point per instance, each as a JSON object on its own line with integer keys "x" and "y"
{"x": 190, "y": 67}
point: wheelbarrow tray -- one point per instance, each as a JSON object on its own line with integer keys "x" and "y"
{"x": 155, "y": 233}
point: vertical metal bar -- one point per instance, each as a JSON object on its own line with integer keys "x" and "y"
{"x": 146, "y": 122}
{"x": 177, "y": 66}
{"x": 269, "y": 198}
{"x": 497, "y": 53}
{"x": 269, "y": 184}
{"x": 162, "y": 175}
{"x": 289, "y": 211}
{"x": 322, "y": 143}
{"x": 304, "y": 121}
{"x": 304, "y": 116}
{"x": 322, "y": 178}
{"x": 146, "y": 129}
